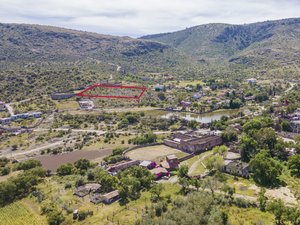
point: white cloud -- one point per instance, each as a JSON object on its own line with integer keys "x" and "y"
{"x": 139, "y": 17}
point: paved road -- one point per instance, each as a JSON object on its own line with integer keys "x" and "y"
{"x": 99, "y": 132}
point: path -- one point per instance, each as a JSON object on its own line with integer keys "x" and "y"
{"x": 195, "y": 164}
{"x": 10, "y": 109}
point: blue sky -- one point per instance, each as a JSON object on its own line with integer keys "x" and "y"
{"x": 139, "y": 17}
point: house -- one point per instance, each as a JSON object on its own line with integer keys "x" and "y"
{"x": 236, "y": 168}
{"x": 185, "y": 104}
{"x": 86, "y": 189}
{"x": 60, "y": 96}
{"x": 252, "y": 81}
{"x": 148, "y": 164}
{"x": 86, "y": 104}
{"x": 105, "y": 198}
{"x": 36, "y": 114}
{"x": 196, "y": 96}
{"x": 122, "y": 166}
{"x": 110, "y": 197}
{"x": 2, "y": 106}
{"x": 160, "y": 172}
{"x": 5, "y": 120}
{"x": 159, "y": 87}
{"x": 295, "y": 124}
{"x": 20, "y": 116}
{"x": 193, "y": 144}
{"x": 171, "y": 162}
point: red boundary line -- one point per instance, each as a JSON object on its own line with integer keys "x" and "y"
{"x": 82, "y": 93}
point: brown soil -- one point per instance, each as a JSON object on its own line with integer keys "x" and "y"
{"x": 52, "y": 162}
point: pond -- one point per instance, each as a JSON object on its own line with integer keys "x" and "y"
{"x": 202, "y": 118}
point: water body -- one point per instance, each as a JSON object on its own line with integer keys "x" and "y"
{"x": 202, "y": 118}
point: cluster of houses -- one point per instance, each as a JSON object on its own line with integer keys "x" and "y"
{"x": 295, "y": 121}
{"x": 20, "y": 116}
{"x": 94, "y": 191}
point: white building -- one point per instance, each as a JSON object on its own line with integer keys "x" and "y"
{"x": 251, "y": 81}
{"x": 86, "y": 104}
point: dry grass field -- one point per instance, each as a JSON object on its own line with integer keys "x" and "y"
{"x": 154, "y": 153}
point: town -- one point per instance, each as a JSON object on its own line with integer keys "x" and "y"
{"x": 181, "y": 136}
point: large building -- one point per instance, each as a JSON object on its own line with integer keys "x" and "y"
{"x": 193, "y": 144}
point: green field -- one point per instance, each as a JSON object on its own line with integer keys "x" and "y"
{"x": 19, "y": 214}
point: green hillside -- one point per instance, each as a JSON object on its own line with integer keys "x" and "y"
{"x": 277, "y": 42}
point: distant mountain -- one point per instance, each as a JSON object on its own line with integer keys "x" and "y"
{"x": 35, "y": 43}
{"x": 271, "y": 41}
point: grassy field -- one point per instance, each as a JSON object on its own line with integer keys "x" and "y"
{"x": 242, "y": 186}
{"x": 249, "y": 216}
{"x": 155, "y": 153}
{"x": 102, "y": 214}
{"x": 19, "y": 213}
{"x": 66, "y": 104}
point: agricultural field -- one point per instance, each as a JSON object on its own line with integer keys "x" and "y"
{"x": 18, "y": 213}
{"x": 154, "y": 153}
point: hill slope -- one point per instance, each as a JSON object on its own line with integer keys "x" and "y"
{"x": 272, "y": 40}
{"x": 35, "y": 43}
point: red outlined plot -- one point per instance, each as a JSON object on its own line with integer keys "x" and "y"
{"x": 86, "y": 93}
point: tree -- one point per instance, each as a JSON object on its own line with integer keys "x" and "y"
{"x": 196, "y": 183}
{"x": 55, "y": 218}
{"x": 192, "y": 124}
{"x": 82, "y": 164}
{"x": 262, "y": 199}
{"x": 248, "y": 148}
{"x": 214, "y": 163}
{"x": 266, "y": 138}
{"x": 294, "y": 165}
{"x": 156, "y": 191}
{"x": 29, "y": 164}
{"x": 65, "y": 169}
{"x": 286, "y": 126}
{"x": 265, "y": 170}
{"x": 277, "y": 207}
{"x": 183, "y": 171}
{"x": 220, "y": 150}
{"x": 229, "y": 135}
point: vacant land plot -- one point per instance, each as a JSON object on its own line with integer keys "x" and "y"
{"x": 155, "y": 153}
{"x": 52, "y": 162}
{"x": 18, "y": 213}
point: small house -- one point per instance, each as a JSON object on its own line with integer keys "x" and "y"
{"x": 5, "y": 120}
{"x": 110, "y": 197}
{"x": 148, "y": 164}
{"x": 171, "y": 162}
{"x": 36, "y": 114}
{"x": 86, "y": 189}
{"x": 159, "y": 87}
{"x": 160, "y": 172}
{"x": 236, "y": 168}
{"x": 185, "y": 104}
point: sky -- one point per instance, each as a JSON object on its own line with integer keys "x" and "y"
{"x": 140, "y": 17}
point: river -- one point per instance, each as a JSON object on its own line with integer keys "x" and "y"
{"x": 202, "y": 118}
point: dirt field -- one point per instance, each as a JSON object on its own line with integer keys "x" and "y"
{"x": 154, "y": 153}
{"x": 52, "y": 162}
